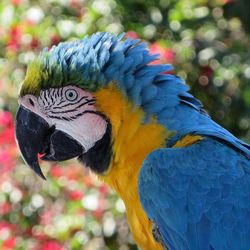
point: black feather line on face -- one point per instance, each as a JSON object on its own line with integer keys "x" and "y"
{"x": 74, "y": 109}
{"x": 98, "y": 157}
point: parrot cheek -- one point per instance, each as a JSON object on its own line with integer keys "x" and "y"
{"x": 34, "y": 136}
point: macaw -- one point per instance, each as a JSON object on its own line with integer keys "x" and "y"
{"x": 185, "y": 180}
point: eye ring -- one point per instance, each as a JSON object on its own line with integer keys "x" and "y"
{"x": 71, "y": 95}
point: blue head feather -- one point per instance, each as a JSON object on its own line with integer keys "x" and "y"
{"x": 97, "y": 60}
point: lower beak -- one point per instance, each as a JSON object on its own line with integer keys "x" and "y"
{"x": 34, "y": 136}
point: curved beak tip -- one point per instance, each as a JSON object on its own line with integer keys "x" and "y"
{"x": 36, "y": 168}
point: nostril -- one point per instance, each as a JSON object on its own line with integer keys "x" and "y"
{"x": 31, "y": 102}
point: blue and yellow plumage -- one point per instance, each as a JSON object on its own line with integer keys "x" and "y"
{"x": 171, "y": 163}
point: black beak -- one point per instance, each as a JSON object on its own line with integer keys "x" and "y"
{"x": 34, "y": 136}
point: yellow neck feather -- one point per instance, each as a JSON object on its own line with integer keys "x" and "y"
{"x": 132, "y": 142}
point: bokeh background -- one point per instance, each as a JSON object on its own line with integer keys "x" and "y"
{"x": 207, "y": 41}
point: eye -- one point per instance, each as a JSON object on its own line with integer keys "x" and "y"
{"x": 71, "y": 95}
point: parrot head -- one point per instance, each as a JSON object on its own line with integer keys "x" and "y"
{"x": 59, "y": 117}
{"x": 60, "y": 124}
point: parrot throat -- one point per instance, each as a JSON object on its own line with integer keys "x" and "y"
{"x": 132, "y": 141}
{"x": 99, "y": 156}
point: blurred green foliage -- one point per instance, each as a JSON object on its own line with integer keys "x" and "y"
{"x": 208, "y": 42}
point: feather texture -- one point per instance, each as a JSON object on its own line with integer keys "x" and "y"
{"x": 198, "y": 196}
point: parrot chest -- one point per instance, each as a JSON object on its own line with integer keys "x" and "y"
{"x": 132, "y": 141}
{"x": 125, "y": 183}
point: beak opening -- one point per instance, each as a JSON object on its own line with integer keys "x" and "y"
{"x": 34, "y": 137}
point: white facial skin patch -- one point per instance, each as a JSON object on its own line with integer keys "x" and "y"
{"x": 71, "y": 110}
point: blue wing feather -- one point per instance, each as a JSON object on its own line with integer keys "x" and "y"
{"x": 198, "y": 196}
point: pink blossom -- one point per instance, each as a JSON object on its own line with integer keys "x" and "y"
{"x": 98, "y": 213}
{"x": 7, "y": 161}
{"x": 104, "y": 189}
{"x": 54, "y": 40}
{"x": 34, "y": 43}
{"x": 132, "y": 34}
{"x": 167, "y": 55}
{"x": 56, "y": 171}
{"x": 46, "y": 217}
{"x": 7, "y": 142}
{"x": 51, "y": 245}
{"x": 16, "y": 2}
{"x": 6, "y": 225}
{"x": 72, "y": 172}
{"x": 15, "y": 35}
{"x": 9, "y": 244}
{"x": 75, "y": 195}
{"x": 5, "y": 208}
{"x": 88, "y": 181}
{"x": 5, "y": 118}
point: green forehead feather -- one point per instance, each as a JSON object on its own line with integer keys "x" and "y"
{"x": 46, "y": 71}
{"x": 35, "y": 77}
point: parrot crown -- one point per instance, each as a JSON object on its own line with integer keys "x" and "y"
{"x": 94, "y": 62}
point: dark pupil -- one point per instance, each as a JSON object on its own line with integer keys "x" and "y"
{"x": 71, "y": 94}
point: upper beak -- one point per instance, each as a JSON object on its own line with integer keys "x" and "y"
{"x": 34, "y": 136}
